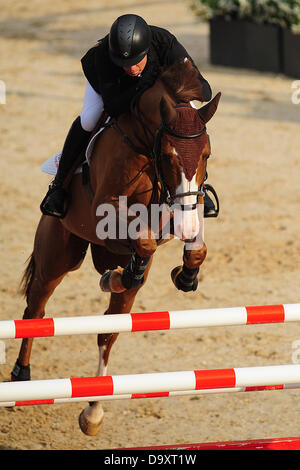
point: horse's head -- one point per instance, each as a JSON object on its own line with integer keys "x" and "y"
{"x": 182, "y": 145}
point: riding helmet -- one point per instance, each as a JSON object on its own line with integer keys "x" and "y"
{"x": 129, "y": 40}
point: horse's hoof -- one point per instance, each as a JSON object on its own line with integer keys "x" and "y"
{"x": 184, "y": 279}
{"x": 105, "y": 281}
{"x": 88, "y": 428}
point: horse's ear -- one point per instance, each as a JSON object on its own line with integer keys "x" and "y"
{"x": 167, "y": 112}
{"x": 207, "y": 111}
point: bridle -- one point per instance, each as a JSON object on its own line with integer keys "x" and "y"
{"x": 170, "y": 199}
{"x": 153, "y": 152}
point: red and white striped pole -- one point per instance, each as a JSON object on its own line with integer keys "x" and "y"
{"x": 149, "y": 383}
{"x": 148, "y": 321}
{"x": 132, "y": 396}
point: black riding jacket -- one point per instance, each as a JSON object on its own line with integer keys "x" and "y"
{"x": 116, "y": 87}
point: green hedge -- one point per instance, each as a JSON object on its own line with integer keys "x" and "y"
{"x": 285, "y": 13}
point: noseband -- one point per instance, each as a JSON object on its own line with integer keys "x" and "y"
{"x": 153, "y": 152}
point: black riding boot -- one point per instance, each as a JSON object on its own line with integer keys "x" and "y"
{"x": 55, "y": 201}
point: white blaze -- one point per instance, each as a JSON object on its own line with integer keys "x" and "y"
{"x": 188, "y": 222}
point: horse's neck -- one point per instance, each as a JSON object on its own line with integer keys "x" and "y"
{"x": 150, "y": 104}
{"x": 141, "y": 125}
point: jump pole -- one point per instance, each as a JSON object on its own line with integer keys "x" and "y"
{"x": 148, "y": 321}
{"x": 149, "y": 383}
{"x": 57, "y": 401}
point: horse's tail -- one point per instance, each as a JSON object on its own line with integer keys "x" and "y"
{"x": 27, "y": 276}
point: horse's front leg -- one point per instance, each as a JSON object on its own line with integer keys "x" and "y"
{"x": 90, "y": 419}
{"x": 185, "y": 277}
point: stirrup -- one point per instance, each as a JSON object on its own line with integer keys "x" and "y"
{"x": 212, "y": 210}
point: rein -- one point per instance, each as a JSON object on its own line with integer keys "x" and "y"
{"x": 153, "y": 152}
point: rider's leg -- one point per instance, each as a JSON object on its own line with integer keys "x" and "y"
{"x": 76, "y": 142}
{"x": 92, "y": 109}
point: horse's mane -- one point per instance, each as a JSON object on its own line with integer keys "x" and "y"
{"x": 181, "y": 81}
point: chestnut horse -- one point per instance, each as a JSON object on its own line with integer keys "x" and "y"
{"x": 154, "y": 156}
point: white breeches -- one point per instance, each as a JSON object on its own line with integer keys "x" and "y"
{"x": 92, "y": 109}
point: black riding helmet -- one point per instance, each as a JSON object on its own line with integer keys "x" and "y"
{"x": 129, "y": 40}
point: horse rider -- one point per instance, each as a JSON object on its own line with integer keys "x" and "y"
{"x": 125, "y": 62}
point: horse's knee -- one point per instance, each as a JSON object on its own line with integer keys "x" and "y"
{"x": 107, "y": 340}
{"x": 192, "y": 259}
{"x": 146, "y": 245}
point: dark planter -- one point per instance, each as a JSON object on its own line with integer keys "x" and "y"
{"x": 291, "y": 53}
{"x": 246, "y": 45}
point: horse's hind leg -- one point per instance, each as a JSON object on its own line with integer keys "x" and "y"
{"x": 39, "y": 293}
{"x": 56, "y": 252}
{"x": 91, "y": 417}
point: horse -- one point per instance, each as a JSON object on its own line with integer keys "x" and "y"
{"x": 155, "y": 155}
